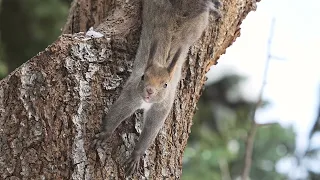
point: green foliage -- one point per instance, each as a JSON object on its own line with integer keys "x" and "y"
{"x": 27, "y": 27}
{"x": 3, "y": 66}
{"x": 46, "y": 19}
{"x": 216, "y": 146}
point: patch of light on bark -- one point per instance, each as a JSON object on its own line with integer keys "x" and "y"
{"x": 146, "y": 163}
{"x": 129, "y": 139}
{"x": 78, "y": 153}
{"x": 138, "y": 122}
{"x": 79, "y": 120}
{"x": 91, "y": 71}
{"x": 93, "y": 34}
{"x": 2, "y": 109}
{"x": 25, "y": 84}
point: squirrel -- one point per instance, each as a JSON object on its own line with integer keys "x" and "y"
{"x": 169, "y": 28}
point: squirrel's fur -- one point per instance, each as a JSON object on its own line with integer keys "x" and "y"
{"x": 169, "y": 28}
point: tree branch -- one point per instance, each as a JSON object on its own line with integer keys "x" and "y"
{"x": 51, "y": 106}
{"x": 254, "y": 125}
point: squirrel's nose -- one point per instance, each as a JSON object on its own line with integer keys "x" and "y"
{"x": 149, "y": 90}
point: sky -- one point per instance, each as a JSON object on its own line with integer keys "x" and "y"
{"x": 293, "y": 83}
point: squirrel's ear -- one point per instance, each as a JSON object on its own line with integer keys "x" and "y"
{"x": 152, "y": 53}
{"x": 173, "y": 62}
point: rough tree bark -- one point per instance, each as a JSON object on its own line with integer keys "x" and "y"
{"x": 52, "y": 105}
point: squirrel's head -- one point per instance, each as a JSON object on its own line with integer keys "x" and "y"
{"x": 155, "y": 83}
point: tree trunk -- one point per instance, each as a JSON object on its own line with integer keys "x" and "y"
{"x": 88, "y": 13}
{"x": 51, "y": 106}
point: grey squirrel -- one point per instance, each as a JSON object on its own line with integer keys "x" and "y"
{"x": 169, "y": 28}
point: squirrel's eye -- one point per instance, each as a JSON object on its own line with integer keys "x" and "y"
{"x": 165, "y": 85}
{"x": 142, "y": 77}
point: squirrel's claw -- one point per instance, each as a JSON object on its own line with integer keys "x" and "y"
{"x": 214, "y": 7}
{"x": 100, "y": 139}
{"x": 132, "y": 165}
{"x": 217, "y": 3}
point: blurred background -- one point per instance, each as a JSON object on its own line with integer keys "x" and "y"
{"x": 287, "y": 144}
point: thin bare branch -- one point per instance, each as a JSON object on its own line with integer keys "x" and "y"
{"x": 254, "y": 125}
{"x": 278, "y": 58}
{"x": 224, "y": 168}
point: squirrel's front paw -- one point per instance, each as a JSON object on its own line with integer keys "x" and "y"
{"x": 100, "y": 139}
{"x": 132, "y": 165}
{"x": 217, "y": 3}
{"x": 214, "y": 7}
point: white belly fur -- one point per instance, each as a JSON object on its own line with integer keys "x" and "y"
{"x": 146, "y": 106}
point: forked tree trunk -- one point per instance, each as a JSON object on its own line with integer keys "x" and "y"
{"x": 52, "y": 105}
